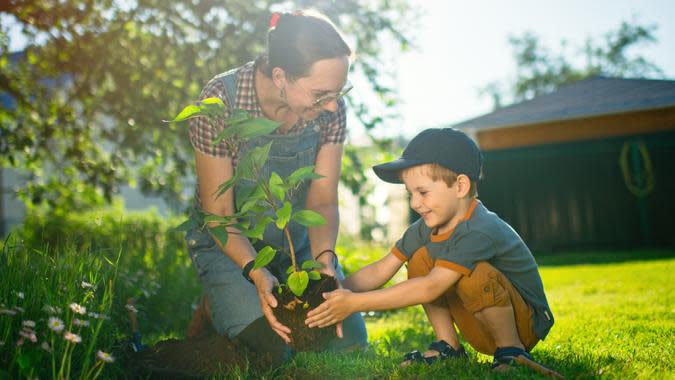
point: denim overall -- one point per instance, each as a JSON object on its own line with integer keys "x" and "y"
{"x": 234, "y": 301}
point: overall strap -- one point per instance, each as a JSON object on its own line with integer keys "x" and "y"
{"x": 229, "y": 80}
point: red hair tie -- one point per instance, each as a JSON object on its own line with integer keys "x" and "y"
{"x": 274, "y": 19}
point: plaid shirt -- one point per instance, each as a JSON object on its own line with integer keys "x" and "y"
{"x": 201, "y": 133}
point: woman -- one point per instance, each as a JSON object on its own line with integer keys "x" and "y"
{"x": 299, "y": 83}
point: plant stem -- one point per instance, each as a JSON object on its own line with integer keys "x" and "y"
{"x": 290, "y": 246}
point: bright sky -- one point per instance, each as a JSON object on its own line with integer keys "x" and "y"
{"x": 462, "y": 45}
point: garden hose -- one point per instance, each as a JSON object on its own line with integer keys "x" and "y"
{"x": 642, "y": 184}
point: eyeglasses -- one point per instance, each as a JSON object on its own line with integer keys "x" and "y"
{"x": 325, "y": 99}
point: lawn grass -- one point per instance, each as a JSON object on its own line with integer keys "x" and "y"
{"x": 614, "y": 312}
{"x": 613, "y": 320}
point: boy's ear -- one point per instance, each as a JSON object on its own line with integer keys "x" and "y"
{"x": 463, "y": 185}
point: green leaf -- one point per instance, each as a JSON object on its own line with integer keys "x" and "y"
{"x": 212, "y": 107}
{"x": 276, "y": 185}
{"x": 258, "y": 230}
{"x": 213, "y": 102}
{"x": 314, "y": 275}
{"x": 284, "y": 215}
{"x": 248, "y": 205}
{"x": 309, "y": 218}
{"x": 252, "y": 162}
{"x": 242, "y": 225}
{"x": 220, "y": 233}
{"x": 312, "y": 264}
{"x": 237, "y": 116}
{"x": 244, "y": 191}
{"x": 233, "y": 128}
{"x": 297, "y": 282}
{"x": 188, "y": 112}
{"x": 301, "y": 174}
{"x": 217, "y": 219}
{"x": 244, "y": 127}
{"x": 187, "y": 225}
{"x": 257, "y": 127}
{"x": 226, "y": 185}
{"x": 264, "y": 257}
{"x": 290, "y": 270}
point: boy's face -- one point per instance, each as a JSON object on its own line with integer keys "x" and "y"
{"x": 436, "y": 203}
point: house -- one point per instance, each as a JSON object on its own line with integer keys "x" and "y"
{"x": 590, "y": 165}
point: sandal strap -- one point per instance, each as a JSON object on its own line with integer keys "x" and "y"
{"x": 507, "y": 355}
{"x": 445, "y": 350}
{"x": 418, "y": 357}
{"x": 413, "y": 356}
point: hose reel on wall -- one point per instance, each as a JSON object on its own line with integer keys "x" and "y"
{"x": 636, "y": 168}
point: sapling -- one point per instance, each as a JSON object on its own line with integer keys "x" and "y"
{"x": 268, "y": 200}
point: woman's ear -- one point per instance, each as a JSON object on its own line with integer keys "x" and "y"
{"x": 279, "y": 77}
{"x": 463, "y": 185}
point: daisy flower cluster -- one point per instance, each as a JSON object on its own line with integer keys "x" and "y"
{"x": 28, "y": 334}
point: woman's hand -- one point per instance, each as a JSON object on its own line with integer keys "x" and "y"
{"x": 339, "y": 305}
{"x": 328, "y": 265}
{"x": 264, "y": 282}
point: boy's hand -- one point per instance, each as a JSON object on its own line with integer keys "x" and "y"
{"x": 338, "y": 306}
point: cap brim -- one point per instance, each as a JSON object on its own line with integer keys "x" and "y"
{"x": 390, "y": 171}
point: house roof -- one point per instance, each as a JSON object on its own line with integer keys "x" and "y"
{"x": 595, "y": 96}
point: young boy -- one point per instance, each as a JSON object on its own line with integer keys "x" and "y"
{"x": 466, "y": 266}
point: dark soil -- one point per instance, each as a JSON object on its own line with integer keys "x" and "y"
{"x": 199, "y": 357}
{"x": 211, "y": 354}
{"x": 292, "y": 312}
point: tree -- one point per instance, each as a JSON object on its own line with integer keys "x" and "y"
{"x": 96, "y": 78}
{"x": 539, "y": 71}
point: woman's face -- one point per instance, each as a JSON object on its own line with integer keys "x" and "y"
{"x": 318, "y": 91}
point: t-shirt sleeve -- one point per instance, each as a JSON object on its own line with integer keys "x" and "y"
{"x": 466, "y": 251}
{"x": 334, "y": 125}
{"x": 202, "y": 133}
{"x": 416, "y": 236}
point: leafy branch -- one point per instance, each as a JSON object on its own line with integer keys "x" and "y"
{"x": 269, "y": 201}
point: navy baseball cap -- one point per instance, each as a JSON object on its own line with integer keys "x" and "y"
{"x": 448, "y": 147}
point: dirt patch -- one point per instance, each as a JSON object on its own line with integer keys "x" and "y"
{"x": 292, "y": 312}
{"x": 210, "y": 354}
{"x": 187, "y": 358}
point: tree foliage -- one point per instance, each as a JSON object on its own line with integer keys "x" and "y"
{"x": 89, "y": 91}
{"x": 541, "y": 71}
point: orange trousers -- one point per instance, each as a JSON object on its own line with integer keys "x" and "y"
{"x": 484, "y": 287}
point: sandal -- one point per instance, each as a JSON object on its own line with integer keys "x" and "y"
{"x": 506, "y": 356}
{"x": 444, "y": 350}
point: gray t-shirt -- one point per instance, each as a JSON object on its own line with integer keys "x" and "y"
{"x": 483, "y": 237}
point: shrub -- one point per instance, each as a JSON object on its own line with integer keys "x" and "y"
{"x": 98, "y": 260}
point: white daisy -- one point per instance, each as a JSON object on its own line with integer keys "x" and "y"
{"x": 86, "y": 285}
{"x": 79, "y": 309}
{"x": 51, "y": 309}
{"x": 80, "y": 322}
{"x": 8, "y": 311}
{"x": 104, "y": 357}
{"x": 131, "y": 308}
{"x": 45, "y": 346}
{"x": 55, "y": 324}
{"x": 73, "y": 338}
{"x": 29, "y": 334}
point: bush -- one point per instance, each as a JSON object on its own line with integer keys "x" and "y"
{"x": 98, "y": 260}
